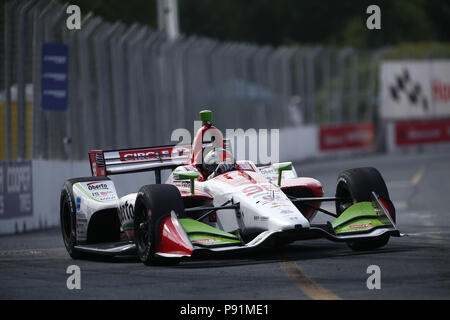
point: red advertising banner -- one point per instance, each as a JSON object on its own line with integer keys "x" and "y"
{"x": 347, "y": 136}
{"x": 422, "y": 132}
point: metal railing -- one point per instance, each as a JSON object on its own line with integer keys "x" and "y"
{"x": 130, "y": 86}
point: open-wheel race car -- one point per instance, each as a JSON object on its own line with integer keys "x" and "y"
{"x": 213, "y": 203}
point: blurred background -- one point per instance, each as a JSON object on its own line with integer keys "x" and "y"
{"x": 256, "y": 64}
{"x": 136, "y": 70}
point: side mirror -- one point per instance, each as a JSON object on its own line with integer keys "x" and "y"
{"x": 280, "y": 167}
{"x": 187, "y": 175}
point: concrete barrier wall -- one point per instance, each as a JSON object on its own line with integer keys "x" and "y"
{"x": 48, "y": 178}
{"x": 299, "y": 143}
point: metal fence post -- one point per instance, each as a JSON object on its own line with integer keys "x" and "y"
{"x": 87, "y": 89}
{"x": 37, "y": 144}
{"x": 121, "y": 87}
{"x": 354, "y": 93}
{"x": 104, "y": 84}
{"x": 150, "y": 124}
{"x": 135, "y": 83}
{"x": 41, "y": 123}
{"x": 54, "y": 31}
{"x": 22, "y": 36}
{"x": 300, "y": 77}
{"x": 9, "y": 9}
{"x": 341, "y": 87}
{"x": 311, "y": 84}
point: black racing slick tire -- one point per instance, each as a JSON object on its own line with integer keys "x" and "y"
{"x": 153, "y": 204}
{"x": 68, "y": 219}
{"x": 356, "y": 185}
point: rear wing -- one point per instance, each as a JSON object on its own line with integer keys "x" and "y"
{"x": 104, "y": 163}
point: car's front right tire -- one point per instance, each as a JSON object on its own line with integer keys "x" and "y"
{"x": 356, "y": 185}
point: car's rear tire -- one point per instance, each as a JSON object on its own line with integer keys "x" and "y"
{"x": 357, "y": 185}
{"x": 153, "y": 204}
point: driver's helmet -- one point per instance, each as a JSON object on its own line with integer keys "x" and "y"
{"x": 215, "y": 157}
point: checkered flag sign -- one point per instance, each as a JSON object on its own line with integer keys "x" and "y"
{"x": 406, "y": 88}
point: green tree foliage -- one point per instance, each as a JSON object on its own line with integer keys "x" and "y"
{"x": 320, "y": 21}
{"x": 333, "y": 22}
{"x": 127, "y": 11}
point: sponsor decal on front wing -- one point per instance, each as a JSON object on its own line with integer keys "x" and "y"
{"x": 361, "y": 226}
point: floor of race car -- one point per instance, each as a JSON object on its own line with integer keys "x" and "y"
{"x": 33, "y": 265}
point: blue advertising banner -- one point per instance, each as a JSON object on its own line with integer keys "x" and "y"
{"x": 54, "y": 82}
{"x": 16, "y": 189}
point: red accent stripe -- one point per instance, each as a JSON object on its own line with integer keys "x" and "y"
{"x": 386, "y": 206}
{"x": 88, "y": 184}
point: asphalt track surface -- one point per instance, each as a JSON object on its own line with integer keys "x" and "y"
{"x": 416, "y": 266}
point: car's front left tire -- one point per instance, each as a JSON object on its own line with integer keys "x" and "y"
{"x": 153, "y": 204}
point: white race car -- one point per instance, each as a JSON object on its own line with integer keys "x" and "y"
{"x": 212, "y": 203}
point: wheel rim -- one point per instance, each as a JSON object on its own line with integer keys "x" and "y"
{"x": 343, "y": 192}
{"x": 142, "y": 232}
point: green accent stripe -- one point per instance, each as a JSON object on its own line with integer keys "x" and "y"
{"x": 359, "y": 225}
{"x": 356, "y": 210}
{"x": 192, "y": 226}
{"x": 260, "y": 194}
{"x": 128, "y": 226}
{"x": 210, "y": 240}
{"x": 84, "y": 191}
{"x": 207, "y": 234}
{"x": 359, "y": 217}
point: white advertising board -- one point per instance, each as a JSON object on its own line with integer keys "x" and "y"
{"x": 415, "y": 89}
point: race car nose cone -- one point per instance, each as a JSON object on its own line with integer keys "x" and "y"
{"x": 173, "y": 241}
{"x": 288, "y": 222}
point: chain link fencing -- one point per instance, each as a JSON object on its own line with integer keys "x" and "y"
{"x": 129, "y": 86}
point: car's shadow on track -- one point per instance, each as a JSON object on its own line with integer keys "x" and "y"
{"x": 111, "y": 259}
{"x": 291, "y": 252}
{"x": 297, "y": 251}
